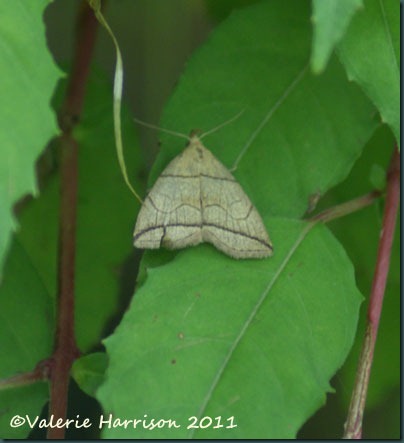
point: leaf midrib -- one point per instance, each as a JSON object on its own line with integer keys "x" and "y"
{"x": 250, "y": 319}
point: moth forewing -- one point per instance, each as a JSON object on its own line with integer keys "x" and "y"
{"x": 197, "y": 199}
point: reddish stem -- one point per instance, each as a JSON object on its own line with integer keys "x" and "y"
{"x": 65, "y": 351}
{"x": 353, "y": 425}
{"x": 386, "y": 240}
{"x": 65, "y": 348}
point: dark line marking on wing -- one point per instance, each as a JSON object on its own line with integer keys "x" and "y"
{"x": 213, "y": 177}
{"x": 237, "y": 249}
{"x": 171, "y": 210}
{"x": 194, "y": 225}
{"x": 162, "y": 237}
{"x": 227, "y": 212}
{"x": 184, "y": 238}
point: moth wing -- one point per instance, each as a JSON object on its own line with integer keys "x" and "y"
{"x": 171, "y": 213}
{"x": 230, "y": 221}
{"x": 197, "y": 199}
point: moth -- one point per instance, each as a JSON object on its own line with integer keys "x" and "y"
{"x": 196, "y": 199}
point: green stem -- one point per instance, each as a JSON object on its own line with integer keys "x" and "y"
{"x": 346, "y": 208}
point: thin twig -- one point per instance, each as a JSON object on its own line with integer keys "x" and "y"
{"x": 65, "y": 347}
{"x": 346, "y": 208}
{"x": 353, "y": 425}
{"x": 40, "y": 373}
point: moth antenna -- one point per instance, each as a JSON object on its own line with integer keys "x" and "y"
{"x": 221, "y": 125}
{"x": 157, "y": 128}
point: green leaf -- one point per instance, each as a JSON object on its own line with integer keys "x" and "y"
{"x": 26, "y": 337}
{"x": 106, "y": 215}
{"x": 196, "y": 339}
{"x": 370, "y": 52}
{"x": 18, "y": 404}
{"x": 27, "y": 123}
{"x": 293, "y": 122}
{"x": 378, "y": 177}
{"x": 208, "y": 336}
{"x": 330, "y": 21}
{"x": 220, "y": 10}
{"x": 88, "y": 371}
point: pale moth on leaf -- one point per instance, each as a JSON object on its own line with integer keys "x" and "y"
{"x": 196, "y": 199}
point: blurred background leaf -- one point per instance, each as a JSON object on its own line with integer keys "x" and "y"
{"x": 28, "y": 77}
{"x": 330, "y": 20}
{"x": 88, "y": 371}
{"x": 26, "y": 338}
{"x": 378, "y": 75}
{"x": 221, "y": 10}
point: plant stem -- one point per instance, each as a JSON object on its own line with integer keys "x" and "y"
{"x": 346, "y": 208}
{"x": 66, "y": 351}
{"x": 353, "y": 425}
{"x": 40, "y": 373}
